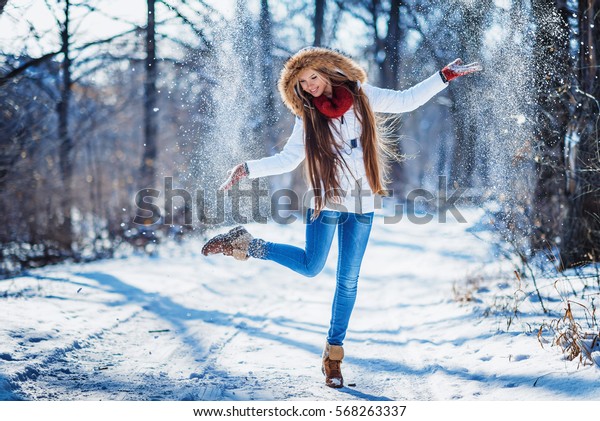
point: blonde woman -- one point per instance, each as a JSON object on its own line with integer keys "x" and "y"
{"x": 336, "y": 135}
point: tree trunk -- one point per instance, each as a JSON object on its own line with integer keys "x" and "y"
{"x": 389, "y": 69}
{"x": 389, "y": 76}
{"x": 582, "y": 226}
{"x": 148, "y": 165}
{"x": 552, "y": 66}
{"x": 267, "y": 75}
{"x": 65, "y": 232}
{"x": 378, "y": 44}
{"x": 319, "y": 22}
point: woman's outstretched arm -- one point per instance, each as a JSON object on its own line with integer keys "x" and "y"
{"x": 288, "y": 159}
{"x": 391, "y": 101}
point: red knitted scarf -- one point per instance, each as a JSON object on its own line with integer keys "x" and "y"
{"x": 334, "y": 107}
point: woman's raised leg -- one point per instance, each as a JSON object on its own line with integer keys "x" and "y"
{"x": 310, "y": 260}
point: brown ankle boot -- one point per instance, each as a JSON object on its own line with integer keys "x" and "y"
{"x": 233, "y": 243}
{"x": 332, "y": 360}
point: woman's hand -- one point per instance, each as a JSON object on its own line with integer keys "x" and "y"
{"x": 457, "y": 68}
{"x": 234, "y": 175}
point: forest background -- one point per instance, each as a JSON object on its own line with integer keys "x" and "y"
{"x": 102, "y": 101}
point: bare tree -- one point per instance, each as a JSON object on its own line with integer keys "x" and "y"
{"x": 553, "y": 67}
{"x": 384, "y": 47}
{"x": 582, "y": 225}
{"x": 147, "y": 168}
{"x": 319, "y": 22}
{"x": 389, "y": 69}
{"x": 64, "y": 136}
{"x": 267, "y": 74}
{"x": 67, "y": 138}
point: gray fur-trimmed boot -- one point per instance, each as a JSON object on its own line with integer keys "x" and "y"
{"x": 240, "y": 246}
{"x": 332, "y": 361}
{"x": 233, "y": 243}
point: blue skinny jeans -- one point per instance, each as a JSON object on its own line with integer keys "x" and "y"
{"x": 353, "y": 235}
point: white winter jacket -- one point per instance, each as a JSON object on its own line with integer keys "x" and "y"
{"x": 358, "y": 197}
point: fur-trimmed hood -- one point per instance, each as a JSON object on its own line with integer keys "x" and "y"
{"x": 314, "y": 58}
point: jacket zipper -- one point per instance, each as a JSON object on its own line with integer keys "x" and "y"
{"x": 354, "y": 144}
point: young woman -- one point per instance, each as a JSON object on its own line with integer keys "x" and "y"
{"x": 337, "y": 136}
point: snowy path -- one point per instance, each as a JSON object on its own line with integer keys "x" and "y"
{"x": 185, "y": 327}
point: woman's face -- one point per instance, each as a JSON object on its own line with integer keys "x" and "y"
{"x": 313, "y": 83}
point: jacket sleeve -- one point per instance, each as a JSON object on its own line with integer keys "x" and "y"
{"x": 391, "y": 101}
{"x": 288, "y": 159}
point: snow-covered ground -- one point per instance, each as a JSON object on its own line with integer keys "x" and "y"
{"x": 181, "y": 326}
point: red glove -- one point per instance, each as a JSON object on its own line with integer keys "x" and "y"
{"x": 236, "y": 174}
{"x": 457, "y": 68}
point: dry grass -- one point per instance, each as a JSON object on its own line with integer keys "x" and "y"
{"x": 574, "y": 329}
{"x": 466, "y": 293}
{"x": 575, "y": 341}
{"x": 482, "y": 289}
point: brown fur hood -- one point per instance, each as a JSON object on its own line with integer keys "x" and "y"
{"x": 314, "y": 58}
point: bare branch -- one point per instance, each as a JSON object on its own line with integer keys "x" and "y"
{"x": 19, "y": 70}
{"x": 343, "y": 6}
{"x": 37, "y": 61}
{"x": 58, "y": 22}
{"x": 103, "y": 13}
{"x": 211, "y": 9}
{"x": 188, "y": 22}
{"x": 107, "y": 40}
